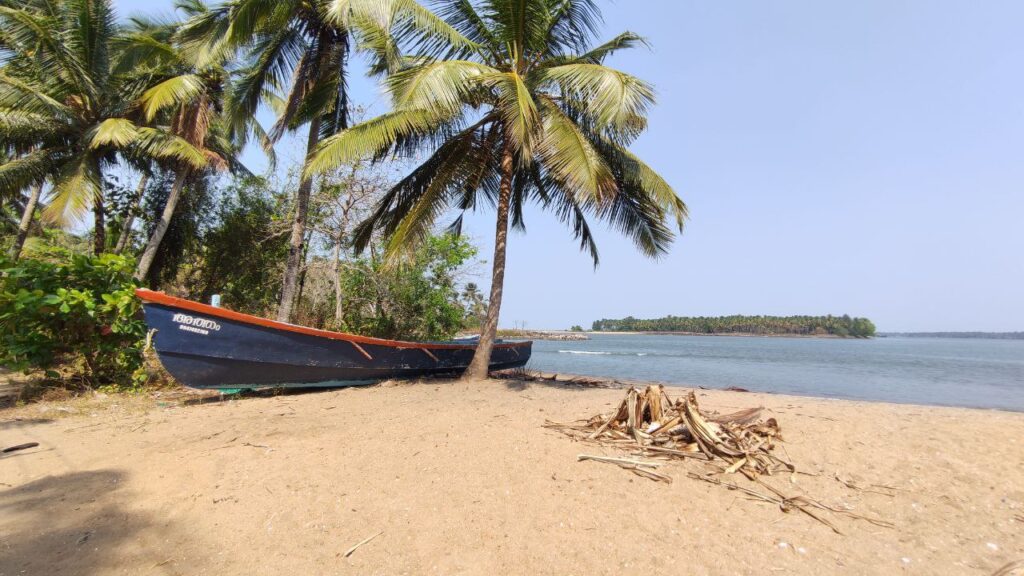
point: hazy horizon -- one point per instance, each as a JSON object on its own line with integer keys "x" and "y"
{"x": 837, "y": 158}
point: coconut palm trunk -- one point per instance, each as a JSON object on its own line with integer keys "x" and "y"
{"x": 129, "y": 218}
{"x": 482, "y": 358}
{"x": 290, "y": 285}
{"x": 146, "y": 260}
{"x": 26, "y": 220}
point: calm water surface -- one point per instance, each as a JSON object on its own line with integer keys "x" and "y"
{"x": 951, "y": 372}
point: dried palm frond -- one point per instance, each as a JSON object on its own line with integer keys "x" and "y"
{"x": 660, "y": 426}
{"x": 742, "y": 442}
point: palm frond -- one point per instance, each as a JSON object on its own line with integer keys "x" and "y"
{"x": 35, "y": 36}
{"x": 597, "y": 55}
{"x": 519, "y": 112}
{"x": 613, "y": 98}
{"x": 203, "y": 38}
{"x": 22, "y": 128}
{"x": 634, "y": 173}
{"x": 407, "y": 22}
{"x": 521, "y": 25}
{"x": 463, "y": 16}
{"x": 408, "y": 211}
{"x": 569, "y": 211}
{"x": 174, "y": 91}
{"x": 571, "y": 158}
{"x": 116, "y": 132}
{"x": 20, "y": 172}
{"x": 371, "y": 138}
{"x": 164, "y": 145}
{"x": 275, "y": 54}
{"x": 572, "y": 24}
{"x": 445, "y": 84}
{"x": 141, "y": 50}
{"x": 75, "y": 187}
{"x": 30, "y": 97}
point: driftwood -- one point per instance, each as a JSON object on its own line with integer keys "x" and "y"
{"x": 20, "y": 447}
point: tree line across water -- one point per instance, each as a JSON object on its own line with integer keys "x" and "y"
{"x": 842, "y": 326}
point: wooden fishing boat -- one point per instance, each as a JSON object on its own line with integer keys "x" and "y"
{"x": 210, "y": 347}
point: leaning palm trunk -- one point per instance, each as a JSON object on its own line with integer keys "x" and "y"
{"x": 290, "y": 285}
{"x": 146, "y": 260}
{"x": 26, "y": 220}
{"x": 129, "y": 217}
{"x": 482, "y": 358}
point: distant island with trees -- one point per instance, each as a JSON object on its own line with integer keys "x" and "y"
{"x": 836, "y": 326}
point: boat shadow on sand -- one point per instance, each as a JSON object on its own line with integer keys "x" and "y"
{"x": 513, "y": 380}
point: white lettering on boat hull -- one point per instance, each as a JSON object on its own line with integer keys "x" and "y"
{"x": 195, "y": 324}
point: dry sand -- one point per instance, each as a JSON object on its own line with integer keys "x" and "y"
{"x": 462, "y": 479}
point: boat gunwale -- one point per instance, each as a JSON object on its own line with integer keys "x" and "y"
{"x": 162, "y": 299}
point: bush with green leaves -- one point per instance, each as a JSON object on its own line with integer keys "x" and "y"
{"x": 416, "y": 298}
{"x": 76, "y": 311}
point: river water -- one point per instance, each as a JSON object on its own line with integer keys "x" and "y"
{"x": 942, "y": 371}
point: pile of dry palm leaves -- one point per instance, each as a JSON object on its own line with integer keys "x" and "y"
{"x": 659, "y": 429}
{"x": 657, "y": 426}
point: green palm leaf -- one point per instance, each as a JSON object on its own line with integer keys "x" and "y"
{"x": 171, "y": 92}
{"x": 441, "y": 84}
{"x": 572, "y": 160}
{"x": 519, "y": 112}
{"x": 611, "y": 97}
{"x": 75, "y": 188}
{"x": 117, "y": 132}
{"x": 372, "y": 138}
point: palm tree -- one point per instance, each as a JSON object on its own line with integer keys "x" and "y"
{"x": 515, "y": 109}
{"x": 189, "y": 95}
{"x": 290, "y": 45}
{"x": 66, "y": 111}
{"x": 301, "y": 47}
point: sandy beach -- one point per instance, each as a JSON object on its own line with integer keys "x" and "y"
{"x": 453, "y": 478}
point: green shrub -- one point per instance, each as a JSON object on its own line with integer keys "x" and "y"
{"x": 72, "y": 310}
{"x": 414, "y": 300}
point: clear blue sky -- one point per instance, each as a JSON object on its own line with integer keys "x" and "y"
{"x": 837, "y": 157}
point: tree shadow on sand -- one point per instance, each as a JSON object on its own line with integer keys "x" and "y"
{"x": 73, "y": 523}
{"x": 23, "y": 423}
{"x": 522, "y": 380}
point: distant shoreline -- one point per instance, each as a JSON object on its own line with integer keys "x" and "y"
{"x": 958, "y": 335}
{"x": 725, "y": 334}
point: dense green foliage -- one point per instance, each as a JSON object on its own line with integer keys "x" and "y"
{"x": 416, "y": 298}
{"x": 242, "y": 250}
{"x": 844, "y": 326}
{"x": 71, "y": 308}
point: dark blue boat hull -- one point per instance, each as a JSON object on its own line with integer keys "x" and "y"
{"x": 204, "y": 351}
